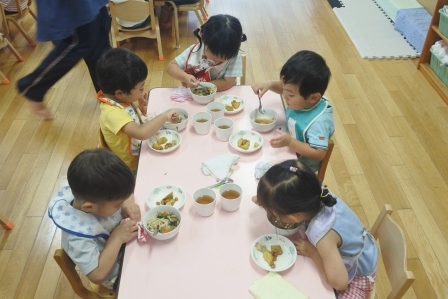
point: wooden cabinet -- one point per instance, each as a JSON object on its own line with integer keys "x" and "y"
{"x": 423, "y": 64}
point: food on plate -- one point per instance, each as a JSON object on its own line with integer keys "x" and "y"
{"x": 162, "y": 140}
{"x": 168, "y": 200}
{"x": 235, "y": 104}
{"x": 170, "y": 144}
{"x": 203, "y": 91}
{"x": 162, "y": 222}
{"x": 229, "y": 108}
{"x": 157, "y": 146}
{"x": 269, "y": 256}
{"x": 243, "y": 143}
{"x": 256, "y": 145}
{"x": 264, "y": 121}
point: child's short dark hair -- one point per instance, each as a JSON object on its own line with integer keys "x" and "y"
{"x": 98, "y": 175}
{"x": 120, "y": 69}
{"x": 308, "y": 70}
{"x": 292, "y": 187}
{"x": 222, "y": 34}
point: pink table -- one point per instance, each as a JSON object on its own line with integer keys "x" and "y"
{"x": 210, "y": 257}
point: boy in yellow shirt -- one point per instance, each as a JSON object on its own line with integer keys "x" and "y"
{"x": 121, "y": 76}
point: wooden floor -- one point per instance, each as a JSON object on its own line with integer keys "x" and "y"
{"x": 391, "y": 140}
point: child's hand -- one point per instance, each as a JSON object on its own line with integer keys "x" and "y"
{"x": 305, "y": 248}
{"x": 260, "y": 88}
{"x": 255, "y": 200}
{"x": 190, "y": 81}
{"x": 131, "y": 210}
{"x": 282, "y": 139}
{"x": 172, "y": 116}
{"x": 125, "y": 231}
{"x": 143, "y": 104}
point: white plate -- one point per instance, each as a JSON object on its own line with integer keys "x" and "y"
{"x": 252, "y": 136}
{"x": 170, "y": 135}
{"x": 159, "y": 192}
{"x": 284, "y": 261}
{"x": 227, "y": 100}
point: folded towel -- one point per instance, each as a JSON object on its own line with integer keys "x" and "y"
{"x": 261, "y": 168}
{"x": 181, "y": 94}
{"x": 273, "y": 286}
{"x": 219, "y": 167}
{"x": 142, "y": 235}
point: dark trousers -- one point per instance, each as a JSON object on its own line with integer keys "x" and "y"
{"x": 88, "y": 42}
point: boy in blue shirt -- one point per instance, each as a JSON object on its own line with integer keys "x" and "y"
{"x": 309, "y": 118}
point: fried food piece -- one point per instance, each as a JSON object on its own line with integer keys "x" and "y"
{"x": 229, "y": 108}
{"x": 269, "y": 258}
{"x": 162, "y": 140}
{"x": 243, "y": 143}
{"x": 169, "y": 200}
{"x": 157, "y": 146}
{"x": 276, "y": 250}
{"x": 256, "y": 145}
{"x": 260, "y": 247}
{"x": 235, "y": 104}
{"x": 168, "y": 145}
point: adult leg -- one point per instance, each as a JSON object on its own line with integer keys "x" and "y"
{"x": 96, "y": 35}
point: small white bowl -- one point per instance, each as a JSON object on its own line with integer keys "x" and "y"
{"x": 183, "y": 120}
{"x": 269, "y": 115}
{"x": 160, "y": 209}
{"x": 284, "y": 261}
{"x": 255, "y": 139}
{"x": 170, "y": 135}
{"x": 284, "y": 231}
{"x": 204, "y": 99}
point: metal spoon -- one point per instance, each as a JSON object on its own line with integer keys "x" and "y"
{"x": 260, "y": 109}
{"x": 226, "y": 180}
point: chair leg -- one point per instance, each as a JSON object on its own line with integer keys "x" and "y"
{"x": 5, "y": 80}
{"x": 8, "y": 225}
{"x": 159, "y": 43}
{"x": 201, "y": 21}
{"x": 14, "y": 51}
{"x": 32, "y": 13}
{"x": 27, "y": 37}
{"x": 204, "y": 13}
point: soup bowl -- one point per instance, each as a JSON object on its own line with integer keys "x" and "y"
{"x": 181, "y": 123}
{"x": 203, "y": 99}
{"x": 159, "y": 210}
{"x": 284, "y": 229}
{"x": 263, "y": 122}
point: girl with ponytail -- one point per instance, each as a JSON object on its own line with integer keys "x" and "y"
{"x": 343, "y": 250}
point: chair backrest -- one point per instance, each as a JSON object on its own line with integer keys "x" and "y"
{"x": 4, "y": 29}
{"x": 324, "y": 163}
{"x": 242, "y": 80}
{"x": 393, "y": 251}
{"x": 69, "y": 268}
{"x": 132, "y": 10}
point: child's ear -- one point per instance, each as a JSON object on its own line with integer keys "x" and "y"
{"x": 314, "y": 97}
{"x": 87, "y": 206}
{"x": 119, "y": 93}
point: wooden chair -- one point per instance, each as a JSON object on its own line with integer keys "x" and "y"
{"x": 242, "y": 80}
{"x": 135, "y": 10}
{"x": 198, "y": 8}
{"x": 69, "y": 268}
{"x": 18, "y": 18}
{"x": 5, "y": 223}
{"x": 324, "y": 163}
{"x": 102, "y": 141}
{"x": 393, "y": 250}
{"x": 4, "y": 42}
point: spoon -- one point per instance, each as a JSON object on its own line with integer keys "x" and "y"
{"x": 260, "y": 109}
{"x": 226, "y": 180}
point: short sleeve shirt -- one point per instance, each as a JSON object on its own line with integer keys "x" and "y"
{"x": 198, "y": 61}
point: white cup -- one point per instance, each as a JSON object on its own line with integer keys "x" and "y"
{"x": 216, "y": 110}
{"x": 231, "y": 197}
{"x": 202, "y": 202}
{"x": 202, "y": 127}
{"x": 223, "y": 128}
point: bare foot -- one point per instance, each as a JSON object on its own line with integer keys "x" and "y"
{"x": 39, "y": 109}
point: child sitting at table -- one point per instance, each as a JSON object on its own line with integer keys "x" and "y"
{"x": 343, "y": 250}
{"x": 215, "y": 58}
{"x": 89, "y": 211}
{"x": 309, "y": 118}
{"x": 121, "y": 76}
